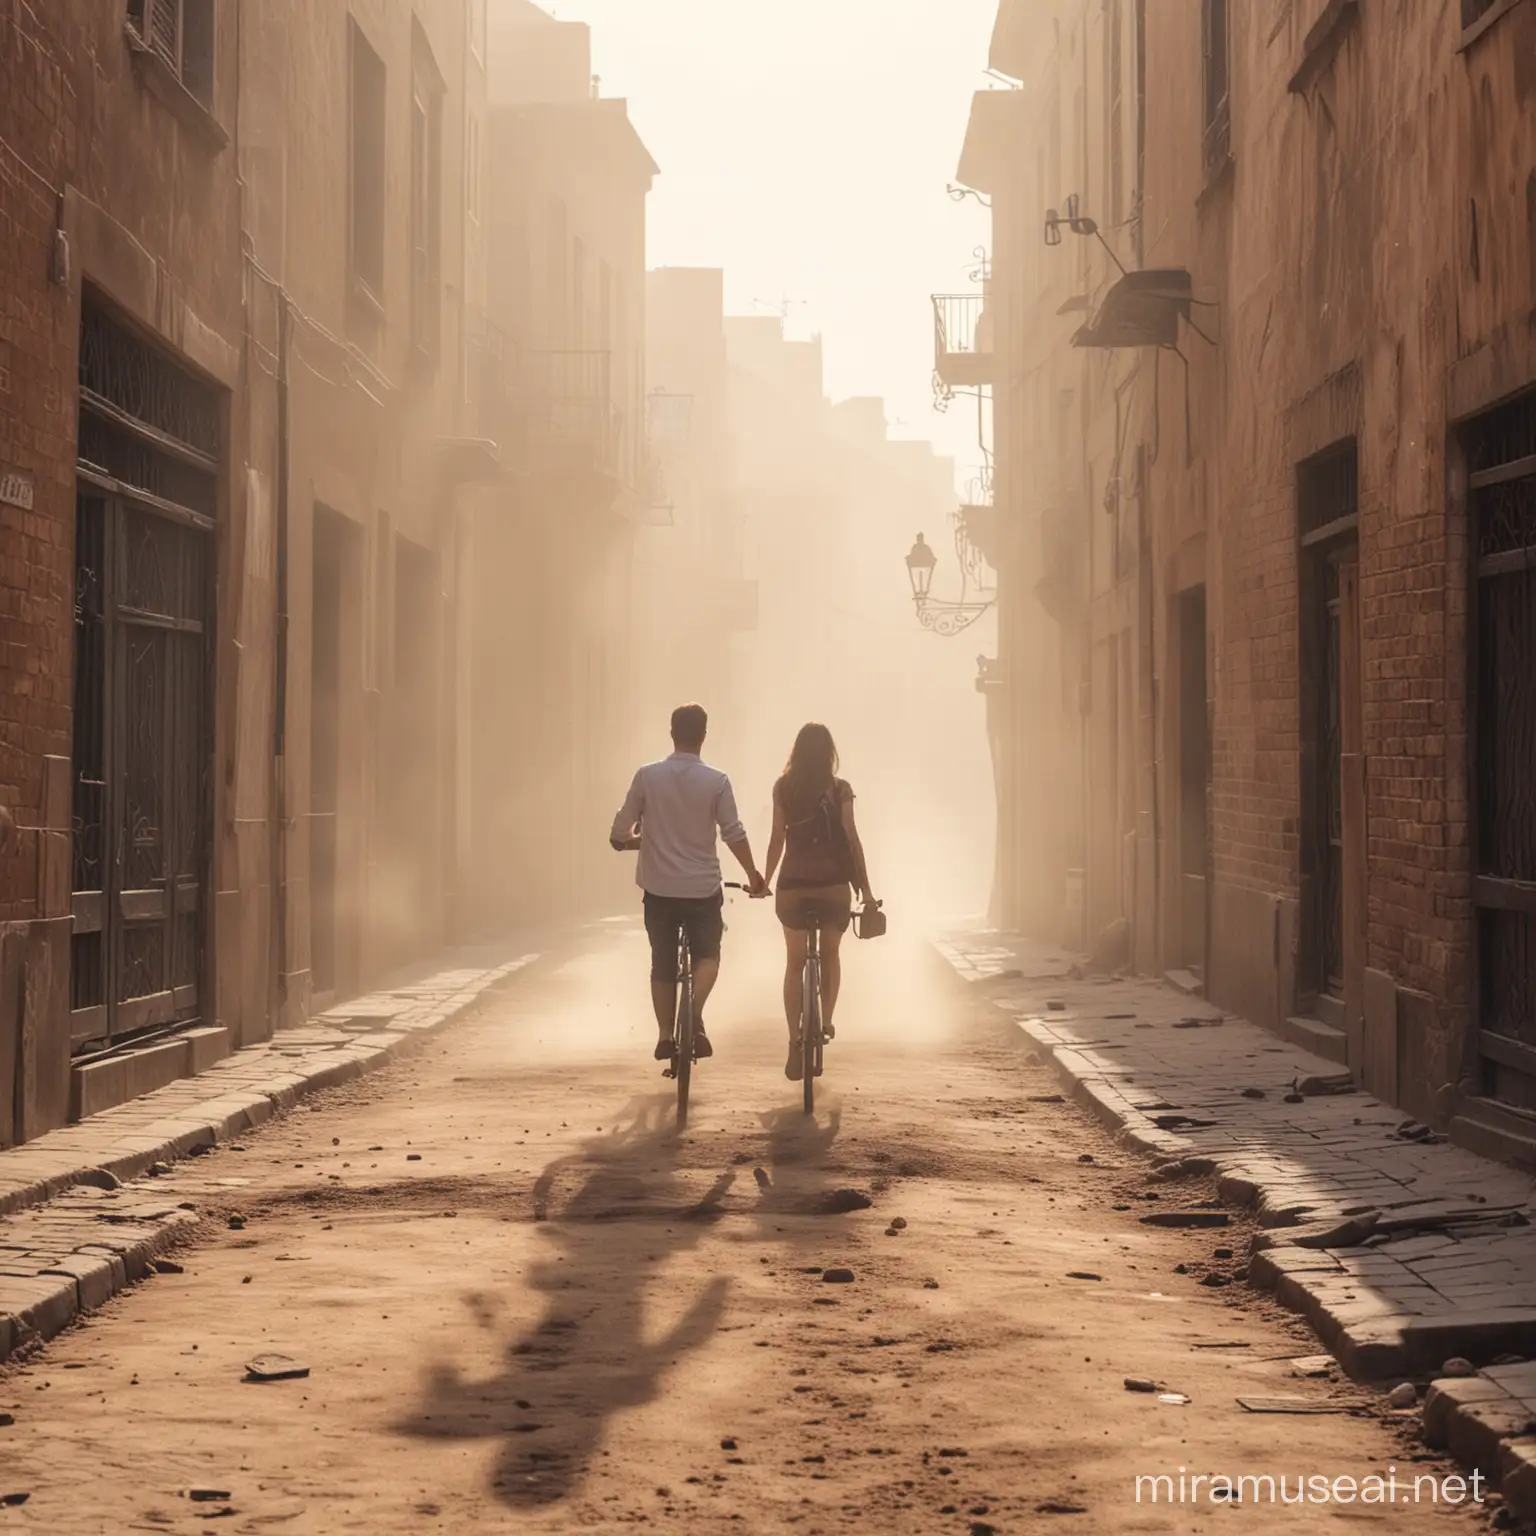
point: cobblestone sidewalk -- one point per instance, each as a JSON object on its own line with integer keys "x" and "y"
{"x": 73, "y": 1231}
{"x": 1402, "y": 1250}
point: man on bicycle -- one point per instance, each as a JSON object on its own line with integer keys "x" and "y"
{"x": 671, "y": 815}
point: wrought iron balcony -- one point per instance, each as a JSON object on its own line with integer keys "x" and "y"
{"x": 550, "y": 413}
{"x": 963, "y": 355}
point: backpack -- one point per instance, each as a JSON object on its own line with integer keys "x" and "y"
{"x": 825, "y": 825}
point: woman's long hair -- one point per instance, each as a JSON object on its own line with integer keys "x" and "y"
{"x": 809, "y": 773}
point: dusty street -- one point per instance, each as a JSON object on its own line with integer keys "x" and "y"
{"x": 526, "y": 1305}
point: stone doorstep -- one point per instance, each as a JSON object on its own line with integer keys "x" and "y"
{"x": 1487, "y": 1420}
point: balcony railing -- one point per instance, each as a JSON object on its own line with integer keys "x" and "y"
{"x": 963, "y": 356}
{"x": 549, "y": 412}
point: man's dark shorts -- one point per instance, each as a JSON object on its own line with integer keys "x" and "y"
{"x": 666, "y": 916}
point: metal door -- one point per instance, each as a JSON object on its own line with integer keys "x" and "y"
{"x": 1502, "y": 465}
{"x": 143, "y": 597}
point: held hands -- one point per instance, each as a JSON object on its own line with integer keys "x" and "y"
{"x": 757, "y": 887}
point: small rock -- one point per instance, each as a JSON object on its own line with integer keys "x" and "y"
{"x": 1253, "y": 1093}
{"x": 1085, "y": 1157}
{"x": 893, "y": 1232}
{"x": 1222, "y": 1253}
{"x": 14, "y": 1500}
{"x": 275, "y": 1368}
{"x": 335, "y": 1141}
{"x": 101, "y": 1178}
{"x": 6, "y": 1420}
{"x": 413, "y": 1157}
{"x": 837, "y": 1276}
{"x": 899, "y": 1222}
{"x": 1181, "y": 1269}
{"x": 839, "y": 1202}
{"x": 1213, "y": 1280}
{"x": 729, "y": 1443}
{"x": 237, "y": 1223}
{"x": 208, "y": 1495}
{"x": 930, "y": 1285}
{"x": 1403, "y": 1395}
{"x": 1082, "y": 1274}
{"x": 1458, "y": 1366}
{"x": 1294, "y": 1098}
{"x": 166, "y": 1267}
{"x": 156, "y": 1170}
{"x": 763, "y": 1181}
{"x": 1140, "y": 1384}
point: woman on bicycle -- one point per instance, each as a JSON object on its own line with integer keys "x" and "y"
{"x": 815, "y": 834}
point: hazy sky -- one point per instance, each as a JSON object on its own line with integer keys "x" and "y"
{"x": 805, "y": 146}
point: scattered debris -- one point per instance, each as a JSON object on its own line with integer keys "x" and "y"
{"x": 839, "y": 1202}
{"x": 275, "y": 1368}
{"x": 166, "y": 1267}
{"x": 1313, "y": 1366}
{"x": 930, "y": 1285}
{"x": 208, "y": 1495}
{"x": 1457, "y": 1365}
{"x": 413, "y": 1157}
{"x": 837, "y": 1276}
{"x": 1334, "y": 1082}
{"x": 1295, "y": 1098}
{"x": 157, "y": 1169}
{"x": 763, "y": 1181}
{"x": 1185, "y": 1219}
{"x": 1222, "y": 1253}
{"x": 1082, "y": 1274}
{"x": 237, "y": 1223}
{"x": 1174, "y": 1399}
{"x": 899, "y": 1222}
{"x": 1216, "y": 1279}
{"x": 1403, "y": 1395}
{"x": 1140, "y": 1384}
{"x": 729, "y": 1443}
{"x": 1253, "y": 1093}
{"x": 1222, "y": 1344}
{"x": 6, "y": 1420}
{"x": 1292, "y": 1405}
{"x": 14, "y": 1500}
{"x": 1046, "y": 1098}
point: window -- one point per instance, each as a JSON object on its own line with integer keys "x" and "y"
{"x": 426, "y": 200}
{"x": 180, "y": 34}
{"x": 367, "y": 164}
{"x": 1217, "y": 148}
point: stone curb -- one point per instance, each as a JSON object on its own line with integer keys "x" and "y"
{"x": 70, "y": 1180}
{"x": 1487, "y": 1420}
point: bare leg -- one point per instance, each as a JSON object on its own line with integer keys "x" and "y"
{"x": 705, "y": 974}
{"x": 664, "y": 1001}
{"x": 794, "y": 978}
{"x": 831, "y": 971}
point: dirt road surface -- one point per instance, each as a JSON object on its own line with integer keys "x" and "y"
{"x": 526, "y": 1304}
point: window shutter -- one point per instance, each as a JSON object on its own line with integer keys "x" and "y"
{"x": 164, "y": 33}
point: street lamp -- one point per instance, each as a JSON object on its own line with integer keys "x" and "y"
{"x": 943, "y": 618}
{"x": 920, "y": 563}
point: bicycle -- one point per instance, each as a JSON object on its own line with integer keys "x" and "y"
{"x": 813, "y": 1036}
{"x": 681, "y": 1066}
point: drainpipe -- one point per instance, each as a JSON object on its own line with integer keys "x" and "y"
{"x": 280, "y": 670}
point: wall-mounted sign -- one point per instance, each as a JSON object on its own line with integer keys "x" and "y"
{"x": 16, "y": 489}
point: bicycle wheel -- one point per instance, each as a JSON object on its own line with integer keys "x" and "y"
{"x": 810, "y": 1034}
{"x": 684, "y": 1038}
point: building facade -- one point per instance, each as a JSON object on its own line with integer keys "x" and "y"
{"x": 1297, "y": 346}
{"x": 548, "y": 661}
{"x": 122, "y": 512}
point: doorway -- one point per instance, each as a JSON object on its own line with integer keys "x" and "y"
{"x": 1332, "y": 777}
{"x": 1501, "y": 461}
{"x": 146, "y": 507}
{"x": 1194, "y": 774}
{"x": 332, "y": 542}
